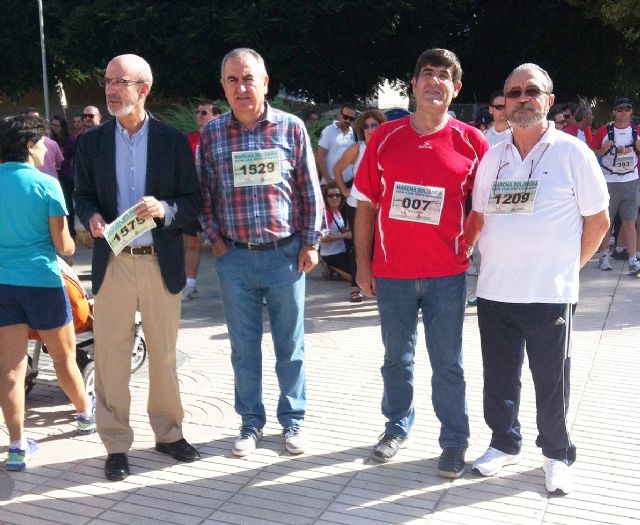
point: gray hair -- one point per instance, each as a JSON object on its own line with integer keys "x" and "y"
{"x": 140, "y": 65}
{"x": 532, "y": 67}
{"x": 243, "y": 51}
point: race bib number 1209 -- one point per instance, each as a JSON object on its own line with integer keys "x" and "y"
{"x": 512, "y": 197}
{"x": 415, "y": 203}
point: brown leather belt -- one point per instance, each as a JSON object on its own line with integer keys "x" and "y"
{"x": 260, "y": 247}
{"x": 141, "y": 250}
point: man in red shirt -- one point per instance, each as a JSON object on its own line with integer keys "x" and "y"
{"x": 412, "y": 184}
{"x": 207, "y": 110}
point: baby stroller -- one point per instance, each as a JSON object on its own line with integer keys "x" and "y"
{"x": 82, "y": 311}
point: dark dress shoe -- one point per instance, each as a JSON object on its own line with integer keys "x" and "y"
{"x": 180, "y": 450}
{"x": 116, "y": 467}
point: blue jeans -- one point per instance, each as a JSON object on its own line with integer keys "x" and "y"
{"x": 245, "y": 278}
{"x": 442, "y": 301}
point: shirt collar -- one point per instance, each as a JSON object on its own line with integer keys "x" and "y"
{"x": 140, "y": 133}
{"x": 549, "y": 136}
{"x": 267, "y": 116}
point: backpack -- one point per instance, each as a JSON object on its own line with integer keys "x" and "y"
{"x": 634, "y": 136}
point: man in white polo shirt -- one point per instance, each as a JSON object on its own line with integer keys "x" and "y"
{"x": 618, "y": 144}
{"x": 335, "y": 139}
{"x": 540, "y": 212}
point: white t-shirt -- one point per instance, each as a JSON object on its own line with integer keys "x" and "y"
{"x": 335, "y": 142}
{"x": 336, "y": 226}
{"x": 496, "y": 137}
{"x": 625, "y": 167}
{"x": 352, "y": 201}
{"x": 535, "y": 258}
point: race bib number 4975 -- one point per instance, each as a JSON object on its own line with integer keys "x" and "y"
{"x": 415, "y": 203}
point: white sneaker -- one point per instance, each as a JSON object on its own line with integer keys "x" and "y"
{"x": 603, "y": 263}
{"x": 492, "y": 461}
{"x": 246, "y": 441}
{"x": 634, "y": 268}
{"x": 188, "y": 293}
{"x": 294, "y": 439}
{"x": 557, "y": 476}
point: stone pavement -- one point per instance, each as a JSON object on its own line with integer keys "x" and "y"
{"x": 335, "y": 482}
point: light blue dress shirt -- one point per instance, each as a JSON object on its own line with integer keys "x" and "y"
{"x": 131, "y": 174}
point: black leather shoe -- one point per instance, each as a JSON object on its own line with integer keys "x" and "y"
{"x": 180, "y": 450}
{"x": 116, "y": 467}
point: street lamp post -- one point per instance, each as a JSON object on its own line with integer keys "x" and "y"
{"x": 45, "y": 81}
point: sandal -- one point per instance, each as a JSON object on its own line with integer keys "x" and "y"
{"x": 356, "y": 296}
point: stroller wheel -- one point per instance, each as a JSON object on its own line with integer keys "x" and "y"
{"x": 29, "y": 377}
{"x": 139, "y": 354}
{"x": 89, "y": 378}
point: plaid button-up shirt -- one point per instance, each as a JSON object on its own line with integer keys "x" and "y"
{"x": 260, "y": 213}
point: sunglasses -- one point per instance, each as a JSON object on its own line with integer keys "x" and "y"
{"x": 370, "y": 126}
{"x": 88, "y": 115}
{"x": 623, "y": 108}
{"x": 202, "y": 112}
{"x": 530, "y": 92}
{"x": 499, "y": 107}
{"x": 334, "y": 195}
{"x": 348, "y": 118}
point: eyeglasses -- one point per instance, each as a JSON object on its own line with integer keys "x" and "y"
{"x": 623, "y": 108}
{"x": 334, "y": 195}
{"x": 202, "y": 112}
{"x": 530, "y": 92}
{"x": 560, "y": 122}
{"x": 88, "y": 115}
{"x": 499, "y": 107}
{"x": 370, "y": 126}
{"x": 348, "y": 118}
{"x": 118, "y": 82}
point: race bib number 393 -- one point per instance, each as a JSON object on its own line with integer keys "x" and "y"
{"x": 512, "y": 197}
{"x": 256, "y": 168}
{"x": 415, "y": 203}
{"x": 126, "y": 228}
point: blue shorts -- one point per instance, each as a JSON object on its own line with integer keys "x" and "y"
{"x": 40, "y": 308}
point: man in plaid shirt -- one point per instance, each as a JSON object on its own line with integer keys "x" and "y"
{"x": 263, "y": 212}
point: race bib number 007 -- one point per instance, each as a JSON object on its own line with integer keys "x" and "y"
{"x": 126, "y": 228}
{"x": 512, "y": 197}
{"x": 415, "y": 203}
{"x": 256, "y": 168}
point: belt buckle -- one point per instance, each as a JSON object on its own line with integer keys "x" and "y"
{"x": 252, "y": 246}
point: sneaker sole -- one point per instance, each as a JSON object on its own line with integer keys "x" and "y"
{"x": 510, "y": 461}
{"x": 295, "y": 451}
{"x": 452, "y": 475}
{"x": 87, "y": 432}
{"x": 242, "y": 453}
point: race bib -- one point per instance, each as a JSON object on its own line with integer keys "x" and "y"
{"x": 512, "y": 197}
{"x": 415, "y": 203}
{"x": 125, "y": 229}
{"x": 256, "y": 168}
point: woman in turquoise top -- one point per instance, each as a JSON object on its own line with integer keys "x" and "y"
{"x": 32, "y": 295}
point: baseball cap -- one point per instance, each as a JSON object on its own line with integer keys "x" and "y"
{"x": 621, "y": 101}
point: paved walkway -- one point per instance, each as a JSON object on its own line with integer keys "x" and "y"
{"x": 336, "y": 482}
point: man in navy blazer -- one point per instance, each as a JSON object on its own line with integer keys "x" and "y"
{"x": 134, "y": 160}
